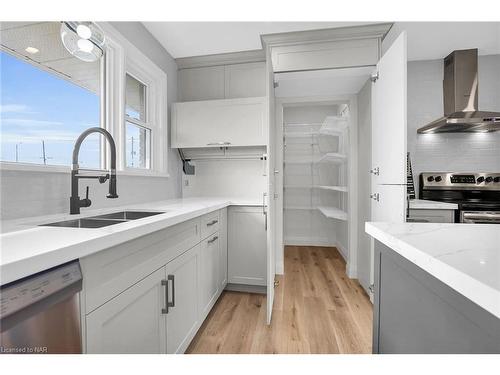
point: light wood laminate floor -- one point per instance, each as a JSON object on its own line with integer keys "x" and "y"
{"x": 317, "y": 309}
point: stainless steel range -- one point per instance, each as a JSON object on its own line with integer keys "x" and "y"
{"x": 477, "y": 194}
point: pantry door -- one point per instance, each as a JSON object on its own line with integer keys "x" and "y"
{"x": 388, "y": 173}
{"x": 269, "y": 199}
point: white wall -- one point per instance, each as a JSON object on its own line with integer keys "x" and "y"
{"x": 460, "y": 152}
{"x": 25, "y": 193}
{"x": 364, "y": 186}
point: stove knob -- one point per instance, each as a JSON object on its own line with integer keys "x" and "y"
{"x": 430, "y": 178}
{"x": 496, "y": 179}
{"x": 480, "y": 179}
{"x": 489, "y": 179}
{"x": 438, "y": 179}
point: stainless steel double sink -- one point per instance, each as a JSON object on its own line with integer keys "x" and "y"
{"x": 105, "y": 220}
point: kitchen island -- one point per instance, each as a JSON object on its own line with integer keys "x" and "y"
{"x": 437, "y": 288}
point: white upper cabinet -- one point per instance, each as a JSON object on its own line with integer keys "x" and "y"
{"x": 325, "y": 55}
{"x": 205, "y": 83}
{"x": 212, "y": 123}
{"x": 245, "y": 80}
{"x": 230, "y": 81}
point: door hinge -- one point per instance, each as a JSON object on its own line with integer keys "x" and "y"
{"x": 374, "y": 77}
{"x": 371, "y": 288}
{"x": 275, "y": 196}
{"x": 276, "y": 283}
{"x": 276, "y": 84}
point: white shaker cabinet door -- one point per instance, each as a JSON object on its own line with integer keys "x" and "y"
{"x": 216, "y": 123}
{"x": 223, "y": 248}
{"x": 247, "y": 246}
{"x": 182, "y": 316}
{"x": 132, "y": 322}
{"x": 209, "y": 273}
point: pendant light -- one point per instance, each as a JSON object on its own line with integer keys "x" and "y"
{"x": 84, "y": 40}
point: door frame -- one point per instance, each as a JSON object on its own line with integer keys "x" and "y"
{"x": 352, "y": 179}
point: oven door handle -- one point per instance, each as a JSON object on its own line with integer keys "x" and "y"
{"x": 480, "y": 217}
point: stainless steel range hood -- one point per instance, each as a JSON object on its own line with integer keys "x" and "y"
{"x": 460, "y": 94}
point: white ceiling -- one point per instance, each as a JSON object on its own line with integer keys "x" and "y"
{"x": 435, "y": 40}
{"x": 51, "y": 55}
{"x": 185, "y": 39}
{"x": 426, "y": 40}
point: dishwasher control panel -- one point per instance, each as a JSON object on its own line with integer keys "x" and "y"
{"x": 20, "y": 294}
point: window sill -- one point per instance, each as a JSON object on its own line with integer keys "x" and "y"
{"x": 26, "y": 167}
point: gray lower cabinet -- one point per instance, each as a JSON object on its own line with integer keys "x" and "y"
{"x": 416, "y": 313}
{"x": 209, "y": 275}
{"x": 432, "y": 216}
{"x": 162, "y": 311}
{"x": 247, "y": 246}
{"x": 132, "y": 321}
{"x": 182, "y": 316}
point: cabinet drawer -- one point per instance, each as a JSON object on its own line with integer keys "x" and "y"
{"x": 209, "y": 224}
{"x": 110, "y": 272}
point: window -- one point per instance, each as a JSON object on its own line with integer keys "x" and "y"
{"x": 137, "y": 130}
{"x": 48, "y": 97}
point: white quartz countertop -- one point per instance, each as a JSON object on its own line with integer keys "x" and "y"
{"x": 465, "y": 257}
{"x": 422, "y": 204}
{"x": 27, "y": 248}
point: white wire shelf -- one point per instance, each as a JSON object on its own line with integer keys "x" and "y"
{"x": 333, "y": 213}
{"x": 334, "y": 188}
{"x": 300, "y": 134}
{"x": 334, "y": 125}
{"x": 333, "y": 157}
{"x": 300, "y": 208}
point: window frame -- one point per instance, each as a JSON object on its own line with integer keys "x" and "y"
{"x": 149, "y": 118}
{"x": 122, "y": 57}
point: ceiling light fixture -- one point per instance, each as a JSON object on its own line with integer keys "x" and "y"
{"x": 32, "y": 50}
{"x": 84, "y": 31}
{"x": 84, "y": 40}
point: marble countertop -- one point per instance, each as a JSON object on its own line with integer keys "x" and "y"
{"x": 422, "y": 204}
{"x": 465, "y": 257}
{"x": 27, "y": 248}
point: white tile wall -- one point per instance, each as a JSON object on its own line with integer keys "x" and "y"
{"x": 24, "y": 193}
{"x": 459, "y": 152}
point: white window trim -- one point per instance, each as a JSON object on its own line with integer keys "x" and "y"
{"x": 121, "y": 57}
{"x": 126, "y": 58}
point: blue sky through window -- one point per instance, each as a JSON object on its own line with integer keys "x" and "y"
{"x": 37, "y": 106}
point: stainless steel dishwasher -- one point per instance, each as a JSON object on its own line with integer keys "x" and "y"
{"x": 41, "y": 313}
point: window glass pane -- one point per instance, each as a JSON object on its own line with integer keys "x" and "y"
{"x": 135, "y": 99}
{"x": 137, "y": 146}
{"x": 48, "y": 97}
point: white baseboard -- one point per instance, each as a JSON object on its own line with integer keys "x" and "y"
{"x": 307, "y": 241}
{"x": 343, "y": 251}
